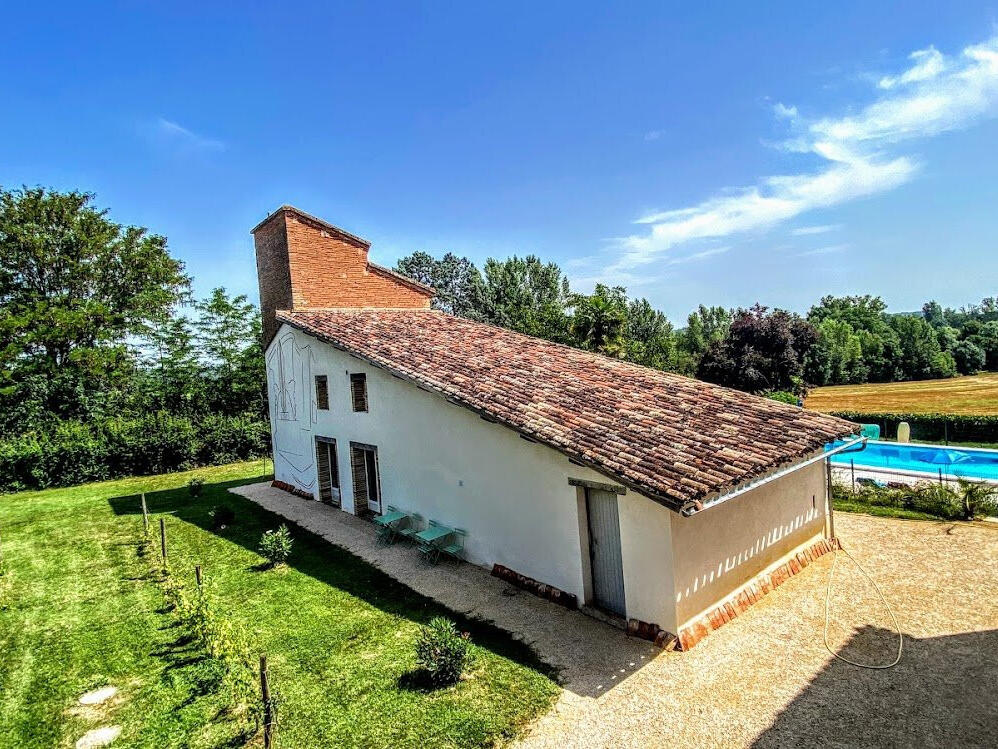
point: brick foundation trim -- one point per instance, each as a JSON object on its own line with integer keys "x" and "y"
{"x": 755, "y": 589}
{"x": 542, "y": 590}
{"x": 652, "y": 632}
{"x": 291, "y": 489}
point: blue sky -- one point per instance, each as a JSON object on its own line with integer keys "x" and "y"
{"x": 725, "y": 155}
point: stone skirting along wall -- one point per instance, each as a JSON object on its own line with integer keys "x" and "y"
{"x": 292, "y": 489}
{"x": 734, "y": 605}
{"x": 551, "y": 593}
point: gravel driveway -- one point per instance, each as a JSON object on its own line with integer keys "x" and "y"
{"x": 765, "y": 679}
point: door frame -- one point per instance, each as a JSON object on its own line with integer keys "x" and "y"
{"x": 590, "y": 552}
{"x": 336, "y": 495}
{"x": 378, "y": 507}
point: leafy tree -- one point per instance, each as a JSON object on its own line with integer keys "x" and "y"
{"x": 74, "y": 287}
{"x": 172, "y": 378}
{"x": 649, "y": 338}
{"x": 920, "y": 357}
{"x": 947, "y": 337}
{"x": 228, "y": 332}
{"x": 599, "y": 320}
{"x": 456, "y": 280}
{"x": 525, "y": 295}
{"x": 762, "y": 352}
{"x": 867, "y": 316}
{"x": 986, "y": 338}
{"x": 704, "y": 327}
{"x": 934, "y": 314}
{"x": 836, "y": 358}
{"x": 969, "y": 357}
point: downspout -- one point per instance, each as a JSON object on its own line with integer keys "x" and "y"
{"x": 693, "y": 507}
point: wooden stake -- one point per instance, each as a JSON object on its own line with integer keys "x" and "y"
{"x": 162, "y": 539}
{"x": 852, "y": 469}
{"x": 197, "y": 573}
{"x": 268, "y": 714}
{"x": 145, "y": 515}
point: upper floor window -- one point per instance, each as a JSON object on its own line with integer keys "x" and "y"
{"x": 358, "y": 391}
{"x": 322, "y": 392}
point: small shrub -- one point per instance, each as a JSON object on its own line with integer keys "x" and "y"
{"x": 977, "y": 499}
{"x": 195, "y": 485}
{"x": 442, "y": 652}
{"x": 276, "y": 545}
{"x": 783, "y": 396}
{"x": 221, "y": 516}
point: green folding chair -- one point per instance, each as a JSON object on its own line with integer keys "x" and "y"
{"x": 455, "y": 549}
{"x": 412, "y": 528}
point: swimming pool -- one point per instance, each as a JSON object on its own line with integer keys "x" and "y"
{"x": 968, "y": 463}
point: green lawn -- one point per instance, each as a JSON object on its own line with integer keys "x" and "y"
{"x": 79, "y": 609}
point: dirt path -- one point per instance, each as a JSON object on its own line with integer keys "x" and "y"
{"x": 765, "y": 679}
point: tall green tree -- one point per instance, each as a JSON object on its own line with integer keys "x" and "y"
{"x": 836, "y": 358}
{"x": 456, "y": 280}
{"x": 74, "y": 287}
{"x": 920, "y": 356}
{"x": 599, "y": 320}
{"x": 649, "y": 338}
{"x": 526, "y": 295}
{"x": 704, "y": 327}
{"x": 228, "y": 334}
{"x": 172, "y": 376}
{"x": 867, "y": 316}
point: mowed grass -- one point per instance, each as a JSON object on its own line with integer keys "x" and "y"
{"x": 975, "y": 395}
{"x": 80, "y": 609}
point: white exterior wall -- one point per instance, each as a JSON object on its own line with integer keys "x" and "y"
{"x": 444, "y": 462}
{"x": 718, "y": 550}
{"x": 512, "y": 496}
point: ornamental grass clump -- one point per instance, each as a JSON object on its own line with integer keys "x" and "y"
{"x": 442, "y": 652}
{"x": 276, "y": 545}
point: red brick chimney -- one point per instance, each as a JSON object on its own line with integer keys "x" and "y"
{"x": 304, "y": 263}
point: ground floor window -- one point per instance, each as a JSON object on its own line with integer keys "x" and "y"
{"x": 329, "y": 472}
{"x": 366, "y": 479}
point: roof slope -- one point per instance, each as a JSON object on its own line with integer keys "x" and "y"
{"x": 670, "y": 437}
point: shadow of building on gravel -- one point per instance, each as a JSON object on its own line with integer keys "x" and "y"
{"x": 941, "y": 694}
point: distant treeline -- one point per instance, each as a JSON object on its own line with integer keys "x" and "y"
{"x": 102, "y": 341}
{"x": 841, "y": 340}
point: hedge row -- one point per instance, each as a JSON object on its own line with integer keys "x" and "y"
{"x": 75, "y": 453}
{"x": 931, "y": 427}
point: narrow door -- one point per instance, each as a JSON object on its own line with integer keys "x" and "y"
{"x": 604, "y": 551}
{"x": 328, "y": 470}
{"x": 366, "y": 482}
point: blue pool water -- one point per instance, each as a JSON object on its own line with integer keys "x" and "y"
{"x": 954, "y": 461}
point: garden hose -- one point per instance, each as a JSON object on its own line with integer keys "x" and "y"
{"x": 828, "y": 595}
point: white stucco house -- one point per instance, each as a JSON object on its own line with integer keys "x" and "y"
{"x": 666, "y": 503}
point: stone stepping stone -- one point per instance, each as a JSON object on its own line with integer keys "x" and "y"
{"x": 97, "y": 696}
{"x": 98, "y": 737}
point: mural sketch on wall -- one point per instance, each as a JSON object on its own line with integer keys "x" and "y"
{"x": 292, "y": 410}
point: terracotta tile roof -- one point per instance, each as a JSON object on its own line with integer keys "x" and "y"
{"x": 670, "y": 437}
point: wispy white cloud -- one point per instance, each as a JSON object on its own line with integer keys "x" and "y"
{"x": 785, "y": 112}
{"x": 654, "y": 135}
{"x": 805, "y": 231}
{"x": 702, "y": 255}
{"x": 824, "y": 250}
{"x": 928, "y": 64}
{"x": 860, "y": 154}
{"x": 173, "y": 132}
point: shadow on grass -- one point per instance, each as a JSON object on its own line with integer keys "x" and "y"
{"x": 323, "y": 561}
